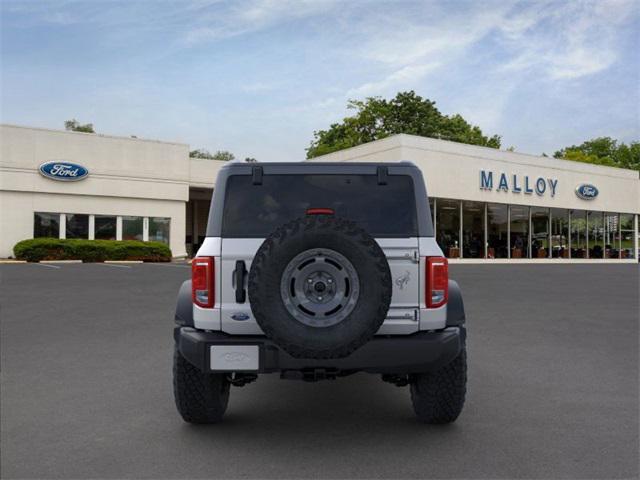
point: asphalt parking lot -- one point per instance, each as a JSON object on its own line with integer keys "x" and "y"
{"x": 86, "y": 386}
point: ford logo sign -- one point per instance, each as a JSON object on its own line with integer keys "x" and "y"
{"x": 234, "y": 357}
{"x": 586, "y": 191}
{"x": 240, "y": 316}
{"x": 63, "y": 171}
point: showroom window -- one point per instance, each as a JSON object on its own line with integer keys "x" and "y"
{"x": 159, "y": 229}
{"x": 473, "y": 230}
{"x": 539, "y": 232}
{"x": 497, "y": 231}
{"x": 626, "y": 236}
{"x": 106, "y": 227}
{"x": 611, "y": 235}
{"x": 559, "y": 233}
{"x": 595, "y": 235}
{"x": 448, "y": 231}
{"x": 77, "y": 226}
{"x": 46, "y": 225}
{"x": 578, "y": 234}
{"x": 467, "y": 229}
{"x": 101, "y": 227}
{"x": 132, "y": 228}
{"x": 519, "y": 231}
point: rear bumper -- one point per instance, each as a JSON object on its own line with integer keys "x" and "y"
{"x": 420, "y": 352}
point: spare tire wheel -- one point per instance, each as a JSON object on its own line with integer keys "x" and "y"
{"x": 320, "y": 287}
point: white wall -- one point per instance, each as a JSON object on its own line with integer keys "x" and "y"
{"x": 452, "y": 170}
{"x": 126, "y": 177}
{"x": 203, "y": 172}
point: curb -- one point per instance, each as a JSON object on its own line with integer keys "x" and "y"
{"x": 541, "y": 261}
{"x": 60, "y": 261}
{"x": 123, "y": 261}
{"x": 8, "y": 262}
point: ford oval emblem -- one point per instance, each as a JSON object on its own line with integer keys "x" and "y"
{"x": 240, "y": 316}
{"x": 586, "y": 191}
{"x": 63, "y": 171}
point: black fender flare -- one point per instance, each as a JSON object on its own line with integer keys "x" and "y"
{"x": 184, "y": 307}
{"x": 455, "y": 306}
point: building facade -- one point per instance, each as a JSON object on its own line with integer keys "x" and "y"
{"x": 497, "y": 205}
{"x": 486, "y": 204}
{"x": 134, "y": 189}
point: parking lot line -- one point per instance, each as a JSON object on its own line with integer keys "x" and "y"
{"x": 47, "y": 265}
{"x": 171, "y": 265}
{"x": 113, "y": 265}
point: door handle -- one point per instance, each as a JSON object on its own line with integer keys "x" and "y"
{"x": 239, "y": 274}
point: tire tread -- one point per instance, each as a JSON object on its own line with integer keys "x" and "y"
{"x": 438, "y": 397}
{"x": 324, "y": 224}
{"x": 199, "y": 397}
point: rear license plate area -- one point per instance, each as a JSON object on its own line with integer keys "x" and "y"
{"x": 234, "y": 358}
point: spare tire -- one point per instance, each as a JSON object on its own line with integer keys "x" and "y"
{"x": 320, "y": 287}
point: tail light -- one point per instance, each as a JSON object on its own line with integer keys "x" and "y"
{"x": 202, "y": 287}
{"x": 320, "y": 211}
{"x": 437, "y": 281}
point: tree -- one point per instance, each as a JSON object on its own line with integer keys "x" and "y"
{"x": 604, "y": 151}
{"x": 75, "y": 126}
{"x": 250, "y": 160}
{"x": 377, "y": 118}
{"x": 223, "y": 155}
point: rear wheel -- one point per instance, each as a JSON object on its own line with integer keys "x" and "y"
{"x": 200, "y": 397}
{"x": 438, "y": 397}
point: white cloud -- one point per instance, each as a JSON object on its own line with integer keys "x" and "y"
{"x": 405, "y": 77}
{"x": 556, "y": 40}
{"x": 404, "y": 39}
{"x": 246, "y": 17}
{"x": 258, "y": 87}
{"x": 408, "y": 49}
{"x": 564, "y": 41}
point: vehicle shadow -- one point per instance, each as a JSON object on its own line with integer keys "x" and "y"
{"x": 350, "y": 427}
{"x": 356, "y": 409}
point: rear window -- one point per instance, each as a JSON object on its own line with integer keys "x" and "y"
{"x": 382, "y": 210}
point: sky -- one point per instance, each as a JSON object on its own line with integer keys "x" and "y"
{"x": 258, "y": 77}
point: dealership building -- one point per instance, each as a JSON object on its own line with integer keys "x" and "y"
{"x": 486, "y": 204}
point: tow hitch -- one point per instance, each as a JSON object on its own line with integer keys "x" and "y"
{"x": 310, "y": 375}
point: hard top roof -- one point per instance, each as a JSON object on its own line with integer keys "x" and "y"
{"x": 318, "y": 168}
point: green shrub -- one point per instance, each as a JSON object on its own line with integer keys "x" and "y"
{"x": 36, "y": 249}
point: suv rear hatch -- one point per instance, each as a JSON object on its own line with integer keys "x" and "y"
{"x": 384, "y": 205}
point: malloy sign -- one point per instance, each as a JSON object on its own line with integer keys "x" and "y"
{"x": 514, "y": 183}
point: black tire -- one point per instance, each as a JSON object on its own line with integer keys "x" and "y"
{"x": 200, "y": 397}
{"x": 366, "y": 313}
{"x": 438, "y": 397}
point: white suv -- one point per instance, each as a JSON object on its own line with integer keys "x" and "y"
{"x": 318, "y": 271}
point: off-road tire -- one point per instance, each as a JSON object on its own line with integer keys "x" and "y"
{"x": 322, "y": 232}
{"x": 200, "y": 397}
{"x": 438, "y": 397}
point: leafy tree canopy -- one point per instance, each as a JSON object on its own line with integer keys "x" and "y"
{"x": 604, "y": 151}
{"x": 223, "y": 155}
{"x": 75, "y": 126}
{"x": 377, "y": 118}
